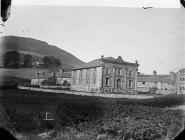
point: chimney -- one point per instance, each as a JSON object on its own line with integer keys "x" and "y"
{"x": 138, "y": 73}
{"x": 136, "y": 62}
{"x": 173, "y": 76}
{"x": 102, "y": 56}
{"x": 154, "y": 73}
{"x": 120, "y": 59}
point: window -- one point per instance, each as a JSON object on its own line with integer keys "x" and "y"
{"x": 74, "y": 77}
{"x": 143, "y": 83}
{"x": 130, "y": 73}
{"x": 130, "y": 83}
{"x": 94, "y": 76}
{"x": 107, "y": 70}
{"x": 107, "y": 81}
{"x": 87, "y": 77}
{"x": 37, "y": 74}
{"x": 119, "y": 71}
{"x": 115, "y": 71}
{"x": 80, "y": 77}
{"x": 119, "y": 84}
{"x": 180, "y": 79}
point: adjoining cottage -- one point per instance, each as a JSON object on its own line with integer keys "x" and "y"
{"x": 50, "y": 81}
{"x": 40, "y": 77}
{"x": 159, "y": 84}
{"x": 105, "y": 75}
{"x": 64, "y": 78}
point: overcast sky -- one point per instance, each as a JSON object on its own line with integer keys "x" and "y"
{"x": 117, "y": 3}
{"x": 154, "y": 37}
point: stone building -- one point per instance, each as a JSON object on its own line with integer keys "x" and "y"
{"x": 105, "y": 75}
{"x": 180, "y": 80}
{"x": 64, "y": 78}
{"x": 39, "y": 77}
{"x": 156, "y": 83}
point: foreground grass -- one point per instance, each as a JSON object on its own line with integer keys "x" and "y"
{"x": 83, "y": 117}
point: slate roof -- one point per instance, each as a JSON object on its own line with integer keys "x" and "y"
{"x": 46, "y": 75}
{"x": 157, "y": 78}
{"x": 98, "y": 62}
{"x": 64, "y": 75}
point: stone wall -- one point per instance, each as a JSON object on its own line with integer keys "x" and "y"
{"x": 180, "y": 81}
{"x": 124, "y": 77}
{"x": 162, "y": 88}
{"x": 87, "y": 79}
{"x": 109, "y": 95}
{"x": 83, "y": 80}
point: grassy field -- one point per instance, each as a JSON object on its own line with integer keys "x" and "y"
{"x": 39, "y": 101}
{"x": 97, "y": 114}
{"x": 25, "y": 73}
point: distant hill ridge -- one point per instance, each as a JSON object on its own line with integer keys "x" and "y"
{"x": 34, "y": 46}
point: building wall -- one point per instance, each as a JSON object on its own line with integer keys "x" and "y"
{"x": 119, "y": 81}
{"x": 36, "y": 81}
{"x": 161, "y": 86}
{"x": 88, "y": 80}
{"x": 118, "y": 77}
{"x": 180, "y": 81}
{"x": 60, "y": 81}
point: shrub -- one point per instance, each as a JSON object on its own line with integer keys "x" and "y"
{"x": 115, "y": 119}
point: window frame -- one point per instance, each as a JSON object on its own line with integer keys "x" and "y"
{"x": 107, "y": 82}
{"x": 130, "y": 84}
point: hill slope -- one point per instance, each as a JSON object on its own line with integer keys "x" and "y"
{"x": 37, "y": 47}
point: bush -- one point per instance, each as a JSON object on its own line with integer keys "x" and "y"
{"x": 115, "y": 119}
{"x": 73, "y": 114}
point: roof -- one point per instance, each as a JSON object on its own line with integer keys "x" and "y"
{"x": 42, "y": 76}
{"x": 176, "y": 70}
{"x": 157, "y": 78}
{"x": 52, "y": 80}
{"x": 64, "y": 75}
{"x": 98, "y": 63}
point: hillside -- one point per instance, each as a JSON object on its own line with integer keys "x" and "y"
{"x": 37, "y": 48}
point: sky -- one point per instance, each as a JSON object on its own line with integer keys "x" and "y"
{"x": 117, "y": 3}
{"x": 154, "y": 37}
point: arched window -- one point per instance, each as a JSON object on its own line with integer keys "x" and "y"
{"x": 80, "y": 77}
{"x": 87, "y": 76}
{"x": 74, "y": 77}
{"x": 130, "y": 73}
{"x": 119, "y": 71}
{"x": 94, "y": 76}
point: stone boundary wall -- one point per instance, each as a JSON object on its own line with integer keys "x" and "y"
{"x": 133, "y": 96}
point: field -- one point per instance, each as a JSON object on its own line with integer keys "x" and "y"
{"x": 92, "y": 115}
{"x": 25, "y": 73}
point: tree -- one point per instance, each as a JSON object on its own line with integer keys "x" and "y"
{"x": 11, "y": 59}
{"x": 46, "y": 61}
{"x": 27, "y": 60}
{"x": 51, "y": 61}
